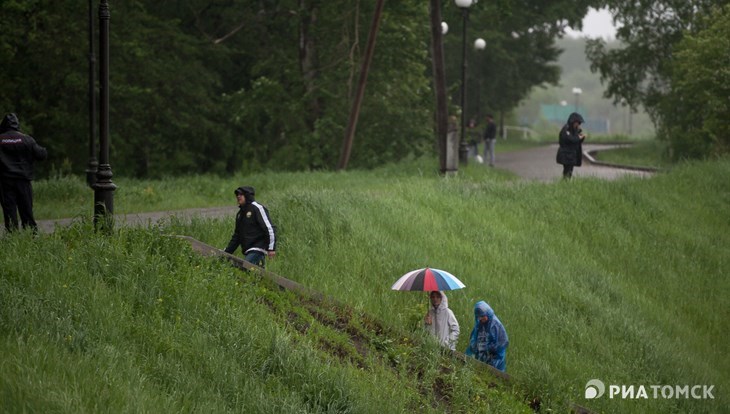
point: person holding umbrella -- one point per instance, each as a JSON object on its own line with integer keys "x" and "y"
{"x": 441, "y": 322}
{"x": 488, "y": 342}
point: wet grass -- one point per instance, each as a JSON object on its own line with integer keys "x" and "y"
{"x": 641, "y": 154}
{"x": 139, "y": 323}
{"x": 622, "y": 281}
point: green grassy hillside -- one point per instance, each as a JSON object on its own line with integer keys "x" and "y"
{"x": 139, "y": 323}
{"x": 622, "y": 281}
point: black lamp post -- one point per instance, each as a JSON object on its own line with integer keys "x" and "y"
{"x": 93, "y": 164}
{"x": 104, "y": 187}
{"x": 463, "y": 147}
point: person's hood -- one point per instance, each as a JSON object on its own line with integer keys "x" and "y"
{"x": 575, "y": 117}
{"x": 247, "y": 192}
{"x": 10, "y": 121}
{"x": 444, "y": 300}
{"x": 481, "y": 308}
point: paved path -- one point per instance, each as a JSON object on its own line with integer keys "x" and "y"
{"x": 532, "y": 164}
{"x": 147, "y": 219}
{"x": 539, "y": 164}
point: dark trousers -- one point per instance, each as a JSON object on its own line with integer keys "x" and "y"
{"x": 256, "y": 257}
{"x": 17, "y": 198}
{"x": 567, "y": 171}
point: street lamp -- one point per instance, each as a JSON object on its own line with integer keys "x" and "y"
{"x": 463, "y": 150}
{"x": 577, "y": 92}
{"x": 104, "y": 187}
{"x": 479, "y": 44}
{"x": 444, "y": 28}
{"x": 92, "y": 165}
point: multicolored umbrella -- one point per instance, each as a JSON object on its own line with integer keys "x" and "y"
{"x": 427, "y": 279}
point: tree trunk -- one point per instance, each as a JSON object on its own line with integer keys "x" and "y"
{"x": 439, "y": 81}
{"x": 309, "y": 59}
{"x": 355, "y": 111}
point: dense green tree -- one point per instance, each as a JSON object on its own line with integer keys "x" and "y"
{"x": 44, "y": 78}
{"x": 695, "y": 114}
{"x": 642, "y": 70}
{"x": 166, "y": 107}
{"x": 649, "y": 30}
{"x": 520, "y": 49}
{"x": 302, "y": 111}
{"x": 224, "y": 85}
{"x": 297, "y": 63}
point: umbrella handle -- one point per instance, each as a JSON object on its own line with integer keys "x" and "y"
{"x": 428, "y": 303}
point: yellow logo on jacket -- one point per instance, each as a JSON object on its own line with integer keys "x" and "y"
{"x": 248, "y": 214}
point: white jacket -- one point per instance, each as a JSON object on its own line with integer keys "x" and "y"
{"x": 444, "y": 325}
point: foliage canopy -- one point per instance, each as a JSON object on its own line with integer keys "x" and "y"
{"x": 658, "y": 68}
{"x": 695, "y": 113}
{"x": 233, "y": 85}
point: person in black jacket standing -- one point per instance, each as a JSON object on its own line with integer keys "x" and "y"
{"x": 18, "y": 152}
{"x": 254, "y": 231}
{"x": 571, "y": 138}
{"x": 490, "y": 137}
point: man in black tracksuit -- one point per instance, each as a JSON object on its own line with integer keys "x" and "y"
{"x": 254, "y": 231}
{"x": 18, "y": 152}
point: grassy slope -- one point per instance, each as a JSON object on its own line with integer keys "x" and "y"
{"x": 621, "y": 281}
{"x": 148, "y": 326}
{"x": 651, "y": 153}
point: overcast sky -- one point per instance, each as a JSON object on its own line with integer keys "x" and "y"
{"x": 597, "y": 23}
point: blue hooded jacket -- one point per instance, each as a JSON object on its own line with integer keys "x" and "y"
{"x": 488, "y": 342}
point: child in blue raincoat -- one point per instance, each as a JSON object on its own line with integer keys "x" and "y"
{"x": 488, "y": 342}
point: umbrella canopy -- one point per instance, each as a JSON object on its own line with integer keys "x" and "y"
{"x": 427, "y": 279}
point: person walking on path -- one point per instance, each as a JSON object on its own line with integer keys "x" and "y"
{"x": 18, "y": 152}
{"x": 571, "y": 138}
{"x": 490, "y": 138}
{"x": 441, "y": 322}
{"x": 254, "y": 231}
{"x": 488, "y": 342}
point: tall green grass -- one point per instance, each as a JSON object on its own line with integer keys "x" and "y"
{"x": 138, "y": 323}
{"x": 623, "y": 281}
{"x": 651, "y": 153}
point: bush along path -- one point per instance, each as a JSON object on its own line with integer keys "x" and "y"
{"x": 357, "y": 339}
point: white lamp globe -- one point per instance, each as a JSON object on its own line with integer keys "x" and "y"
{"x": 480, "y": 44}
{"x": 444, "y": 28}
{"x": 463, "y": 3}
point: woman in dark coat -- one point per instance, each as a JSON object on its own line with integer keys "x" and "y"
{"x": 571, "y": 137}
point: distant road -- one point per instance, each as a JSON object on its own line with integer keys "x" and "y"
{"x": 539, "y": 164}
{"x": 531, "y": 164}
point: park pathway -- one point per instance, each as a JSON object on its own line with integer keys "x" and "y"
{"x": 531, "y": 164}
{"x": 539, "y": 164}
